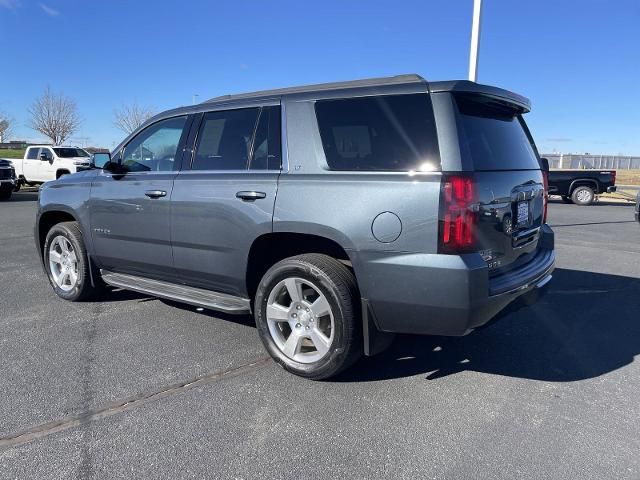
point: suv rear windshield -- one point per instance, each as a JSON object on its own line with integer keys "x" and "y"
{"x": 385, "y": 133}
{"x": 70, "y": 152}
{"x": 493, "y": 136}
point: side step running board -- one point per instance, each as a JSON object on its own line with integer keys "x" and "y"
{"x": 180, "y": 293}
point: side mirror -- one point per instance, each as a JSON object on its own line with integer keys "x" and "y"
{"x": 100, "y": 160}
{"x": 544, "y": 164}
{"x": 44, "y": 156}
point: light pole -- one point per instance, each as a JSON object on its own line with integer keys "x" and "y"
{"x": 475, "y": 40}
{"x": 193, "y": 98}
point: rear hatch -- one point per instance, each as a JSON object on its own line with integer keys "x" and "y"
{"x": 506, "y": 180}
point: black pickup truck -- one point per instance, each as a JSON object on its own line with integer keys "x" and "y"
{"x": 581, "y": 186}
{"x": 8, "y": 179}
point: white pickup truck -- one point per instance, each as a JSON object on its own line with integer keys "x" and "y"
{"x": 42, "y": 163}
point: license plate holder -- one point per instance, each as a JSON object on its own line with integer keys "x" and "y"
{"x": 523, "y": 214}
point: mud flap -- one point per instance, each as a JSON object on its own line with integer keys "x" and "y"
{"x": 375, "y": 341}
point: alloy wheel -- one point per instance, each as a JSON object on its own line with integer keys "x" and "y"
{"x": 583, "y": 196}
{"x": 300, "y": 320}
{"x": 63, "y": 263}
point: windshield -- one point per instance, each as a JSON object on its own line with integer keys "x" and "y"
{"x": 493, "y": 137}
{"x": 67, "y": 152}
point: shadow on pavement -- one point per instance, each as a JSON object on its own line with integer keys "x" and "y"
{"x": 599, "y": 203}
{"x": 587, "y": 325}
{"x": 246, "y": 320}
{"x": 589, "y": 223}
{"x": 23, "y": 197}
{"x": 120, "y": 295}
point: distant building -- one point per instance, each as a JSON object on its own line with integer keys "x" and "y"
{"x": 14, "y": 145}
{"x": 97, "y": 150}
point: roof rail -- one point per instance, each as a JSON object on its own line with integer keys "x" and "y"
{"x": 368, "y": 82}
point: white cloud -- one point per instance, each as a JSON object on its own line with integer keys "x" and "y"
{"x": 10, "y": 4}
{"x": 52, "y": 12}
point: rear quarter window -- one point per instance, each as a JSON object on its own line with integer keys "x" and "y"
{"x": 379, "y": 133}
{"x": 493, "y": 136}
{"x": 67, "y": 152}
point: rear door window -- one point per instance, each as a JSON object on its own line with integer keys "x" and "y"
{"x": 68, "y": 152}
{"x": 224, "y": 140}
{"x": 379, "y": 133}
{"x": 493, "y": 136}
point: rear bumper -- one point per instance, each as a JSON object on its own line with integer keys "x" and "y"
{"x": 7, "y": 183}
{"x": 447, "y": 294}
{"x": 612, "y": 189}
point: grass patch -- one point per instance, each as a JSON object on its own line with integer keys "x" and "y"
{"x": 12, "y": 153}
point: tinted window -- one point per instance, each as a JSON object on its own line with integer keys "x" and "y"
{"x": 33, "y": 153}
{"x": 67, "y": 152}
{"x": 266, "y": 146}
{"x": 155, "y": 149}
{"x": 224, "y": 140}
{"x": 394, "y": 133}
{"x": 48, "y": 155}
{"x": 492, "y": 136}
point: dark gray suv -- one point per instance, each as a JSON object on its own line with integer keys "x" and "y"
{"x": 338, "y": 214}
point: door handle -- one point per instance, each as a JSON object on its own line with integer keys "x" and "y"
{"x": 155, "y": 193}
{"x": 250, "y": 195}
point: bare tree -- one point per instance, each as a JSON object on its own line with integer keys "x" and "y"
{"x": 129, "y": 117}
{"x": 55, "y": 116}
{"x": 6, "y": 127}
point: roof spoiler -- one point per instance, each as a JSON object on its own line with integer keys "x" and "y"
{"x": 522, "y": 104}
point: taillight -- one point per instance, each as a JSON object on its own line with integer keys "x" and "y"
{"x": 545, "y": 182}
{"x": 457, "y": 217}
{"x": 613, "y": 176}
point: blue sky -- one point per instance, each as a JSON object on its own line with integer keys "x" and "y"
{"x": 578, "y": 60}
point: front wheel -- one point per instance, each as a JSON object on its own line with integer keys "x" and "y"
{"x": 583, "y": 196}
{"x": 307, "y": 314}
{"x": 66, "y": 262}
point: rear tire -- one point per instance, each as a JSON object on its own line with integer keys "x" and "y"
{"x": 307, "y": 311}
{"x": 66, "y": 262}
{"x": 583, "y": 195}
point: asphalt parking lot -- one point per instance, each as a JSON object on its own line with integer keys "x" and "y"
{"x": 135, "y": 387}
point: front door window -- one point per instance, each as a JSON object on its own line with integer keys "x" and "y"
{"x": 155, "y": 149}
